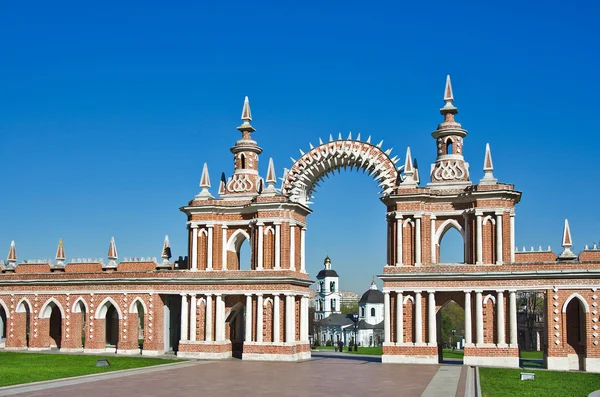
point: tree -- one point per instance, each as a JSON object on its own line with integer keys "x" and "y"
{"x": 452, "y": 316}
{"x": 349, "y": 307}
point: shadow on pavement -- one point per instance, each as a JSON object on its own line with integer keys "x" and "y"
{"x": 342, "y": 356}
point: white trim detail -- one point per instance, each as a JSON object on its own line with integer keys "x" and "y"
{"x": 408, "y": 298}
{"x": 43, "y": 314}
{"x": 581, "y": 299}
{"x": 20, "y": 308}
{"x": 75, "y": 308}
{"x": 490, "y": 297}
{"x": 133, "y": 306}
{"x": 234, "y": 243}
{"x": 488, "y": 218}
{"x": 6, "y": 312}
{"x": 101, "y": 309}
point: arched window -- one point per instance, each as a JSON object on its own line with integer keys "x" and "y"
{"x": 449, "y": 146}
{"x": 362, "y": 311}
{"x": 243, "y": 161}
{"x": 372, "y": 312}
{"x": 322, "y": 286}
{"x": 451, "y": 246}
{"x": 332, "y": 286}
{"x": 333, "y": 305}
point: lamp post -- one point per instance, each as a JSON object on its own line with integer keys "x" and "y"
{"x": 453, "y": 332}
{"x": 355, "y": 319}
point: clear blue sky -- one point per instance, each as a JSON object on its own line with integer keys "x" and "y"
{"x": 109, "y": 109}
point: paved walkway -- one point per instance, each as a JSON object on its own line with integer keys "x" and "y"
{"x": 326, "y": 374}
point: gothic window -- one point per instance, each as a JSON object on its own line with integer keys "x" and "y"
{"x": 332, "y": 286}
{"x": 372, "y": 312}
{"x": 362, "y": 311}
{"x": 322, "y": 286}
{"x": 449, "y": 146}
{"x": 333, "y": 305}
{"x": 243, "y": 161}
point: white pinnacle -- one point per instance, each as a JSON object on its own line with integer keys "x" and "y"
{"x": 567, "y": 243}
{"x": 488, "y": 168}
{"x": 204, "y": 184}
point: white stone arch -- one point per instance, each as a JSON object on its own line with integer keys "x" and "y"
{"x": 489, "y": 297}
{"x": 6, "y": 312}
{"x": 76, "y": 308}
{"x": 102, "y": 308}
{"x": 447, "y": 225}
{"x": 199, "y": 301}
{"x": 267, "y": 301}
{"x": 46, "y": 310}
{"x": 21, "y": 305}
{"x": 408, "y": 298}
{"x": 488, "y": 218}
{"x": 133, "y": 306}
{"x": 581, "y": 300}
{"x": 300, "y": 181}
{"x": 237, "y": 238}
{"x": 203, "y": 231}
{"x": 269, "y": 229}
{"x": 408, "y": 221}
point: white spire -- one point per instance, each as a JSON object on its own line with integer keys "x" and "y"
{"x": 166, "y": 251}
{"x": 12, "y": 255}
{"x": 488, "y": 168}
{"x": 246, "y": 113}
{"x": 409, "y": 171}
{"x": 112, "y": 253}
{"x": 60, "y": 253}
{"x": 204, "y": 185}
{"x": 567, "y": 243}
{"x": 448, "y": 94}
{"x": 271, "y": 179}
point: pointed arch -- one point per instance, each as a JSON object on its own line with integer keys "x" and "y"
{"x": 445, "y": 226}
{"x": 237, "y": 238}
{"x": 76, "y": 308}
{"x": 581, "y": 299}
{"x": 489, "y": 297}
{"x": 5, "y": 307}
{"x": 133, "y": 307}
{"x": 203, "y": 232}
{"x": 490, "y": 219}
{"x": 267, "y": 302}
{"x": 102, "y": 308}
{"x": 408, "y": 298}
{"x": 21, "y": 306}
{"x": 269, "y": 230}
{"x": 449, "y": 145}
{"x": 46, "y": 310}
{"x": 408, "y": 221}
{"x": 235, "y": 309}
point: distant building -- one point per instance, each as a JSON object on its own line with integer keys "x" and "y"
{"x": 370, "y": 317}
{"x": 328, "y": 297}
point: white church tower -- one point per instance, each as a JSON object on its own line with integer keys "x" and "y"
{"x": 328, "y": 292}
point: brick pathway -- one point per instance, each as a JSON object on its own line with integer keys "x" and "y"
{"x": 324, "y": 375}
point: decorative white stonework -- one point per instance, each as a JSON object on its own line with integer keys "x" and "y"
{"x": 304, "y": 176}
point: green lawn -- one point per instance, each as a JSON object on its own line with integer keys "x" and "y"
{"x": 373, "y": 351}
{"x": 448, "y": 353}
{"x": 532, "y": 354}
{"x": 498, "y": 382}
{"x": 18, "y": 368}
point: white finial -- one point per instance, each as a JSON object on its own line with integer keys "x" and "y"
{"x": 488, "y": 168}
{"x": 204, "y": 184}
{"x": 112, "y": 253}
{"x": 409, "y": 171}
{"x": 12, "y": 255}
{"x": 166, "y": 251}
{"x": 246, "y": 113}
{"x": 271, "y": 179}
{"x": 222, "y": 183}
{"x": 448, "y": 94}
{"x": 567, "y": 243}
{"x": 60, "y": 253}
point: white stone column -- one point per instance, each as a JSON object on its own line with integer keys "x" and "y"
{"x": 466, "y": 238}
{"x": 386, "y": 317}
{"x": 302, "y": 319}
{"x": 418, "y": 240}
{"x": 306, "y": 320}
{"x": 303, "y": 250}
{"x": 224, "y": 253}
{"x": 399, "y": 247}
{"x": 260, "y": 250}
{"x": 292, "y": 248}
{"x": 434, "y": 258}
{"x": 431, "y": 320}
{"x": 418, "y": 318}
{"x": 209, "y": 248}
{"x": 278, "y": 246}
{"x": 208, "y": 326}
{"x": 193, "y": 310}
{"x": 499, "y": 238}
{"x": 399, "y": 317}
{"x": 501, "y": 326}
{"x": 468, "y": 325}
{"x": 276, "y": 318}
{"x": 248, "y": 327}
{"x": 478, "y": 318}
{"x": 184, "y": 317}
{"x": 513, "y": 317}
{"x": 479, "y": 240}
{"x": 290, "y": 325}
{"x": 219, "y": 320}
{"x": 259, "y": 318}
{"x": 512, "y": 236}
{"x": 194, "y": 247}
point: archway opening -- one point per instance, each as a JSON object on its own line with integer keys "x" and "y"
{"x": 449, "y": 148}
{"x": 80, "y": 307}
{"x": 576, "y": 334}
{"x": 236, "y": 321}
{"x": 140, "y": 324}
{"x": 451, "y": 247}
{"x": 450, "y": 320}
{"x": 243, "y": 256}
{"x": 111, "y": 326}
{"x": 531, "y": 328}
{"x": 55, "y": 326}
{"x": 2, "y": 324}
